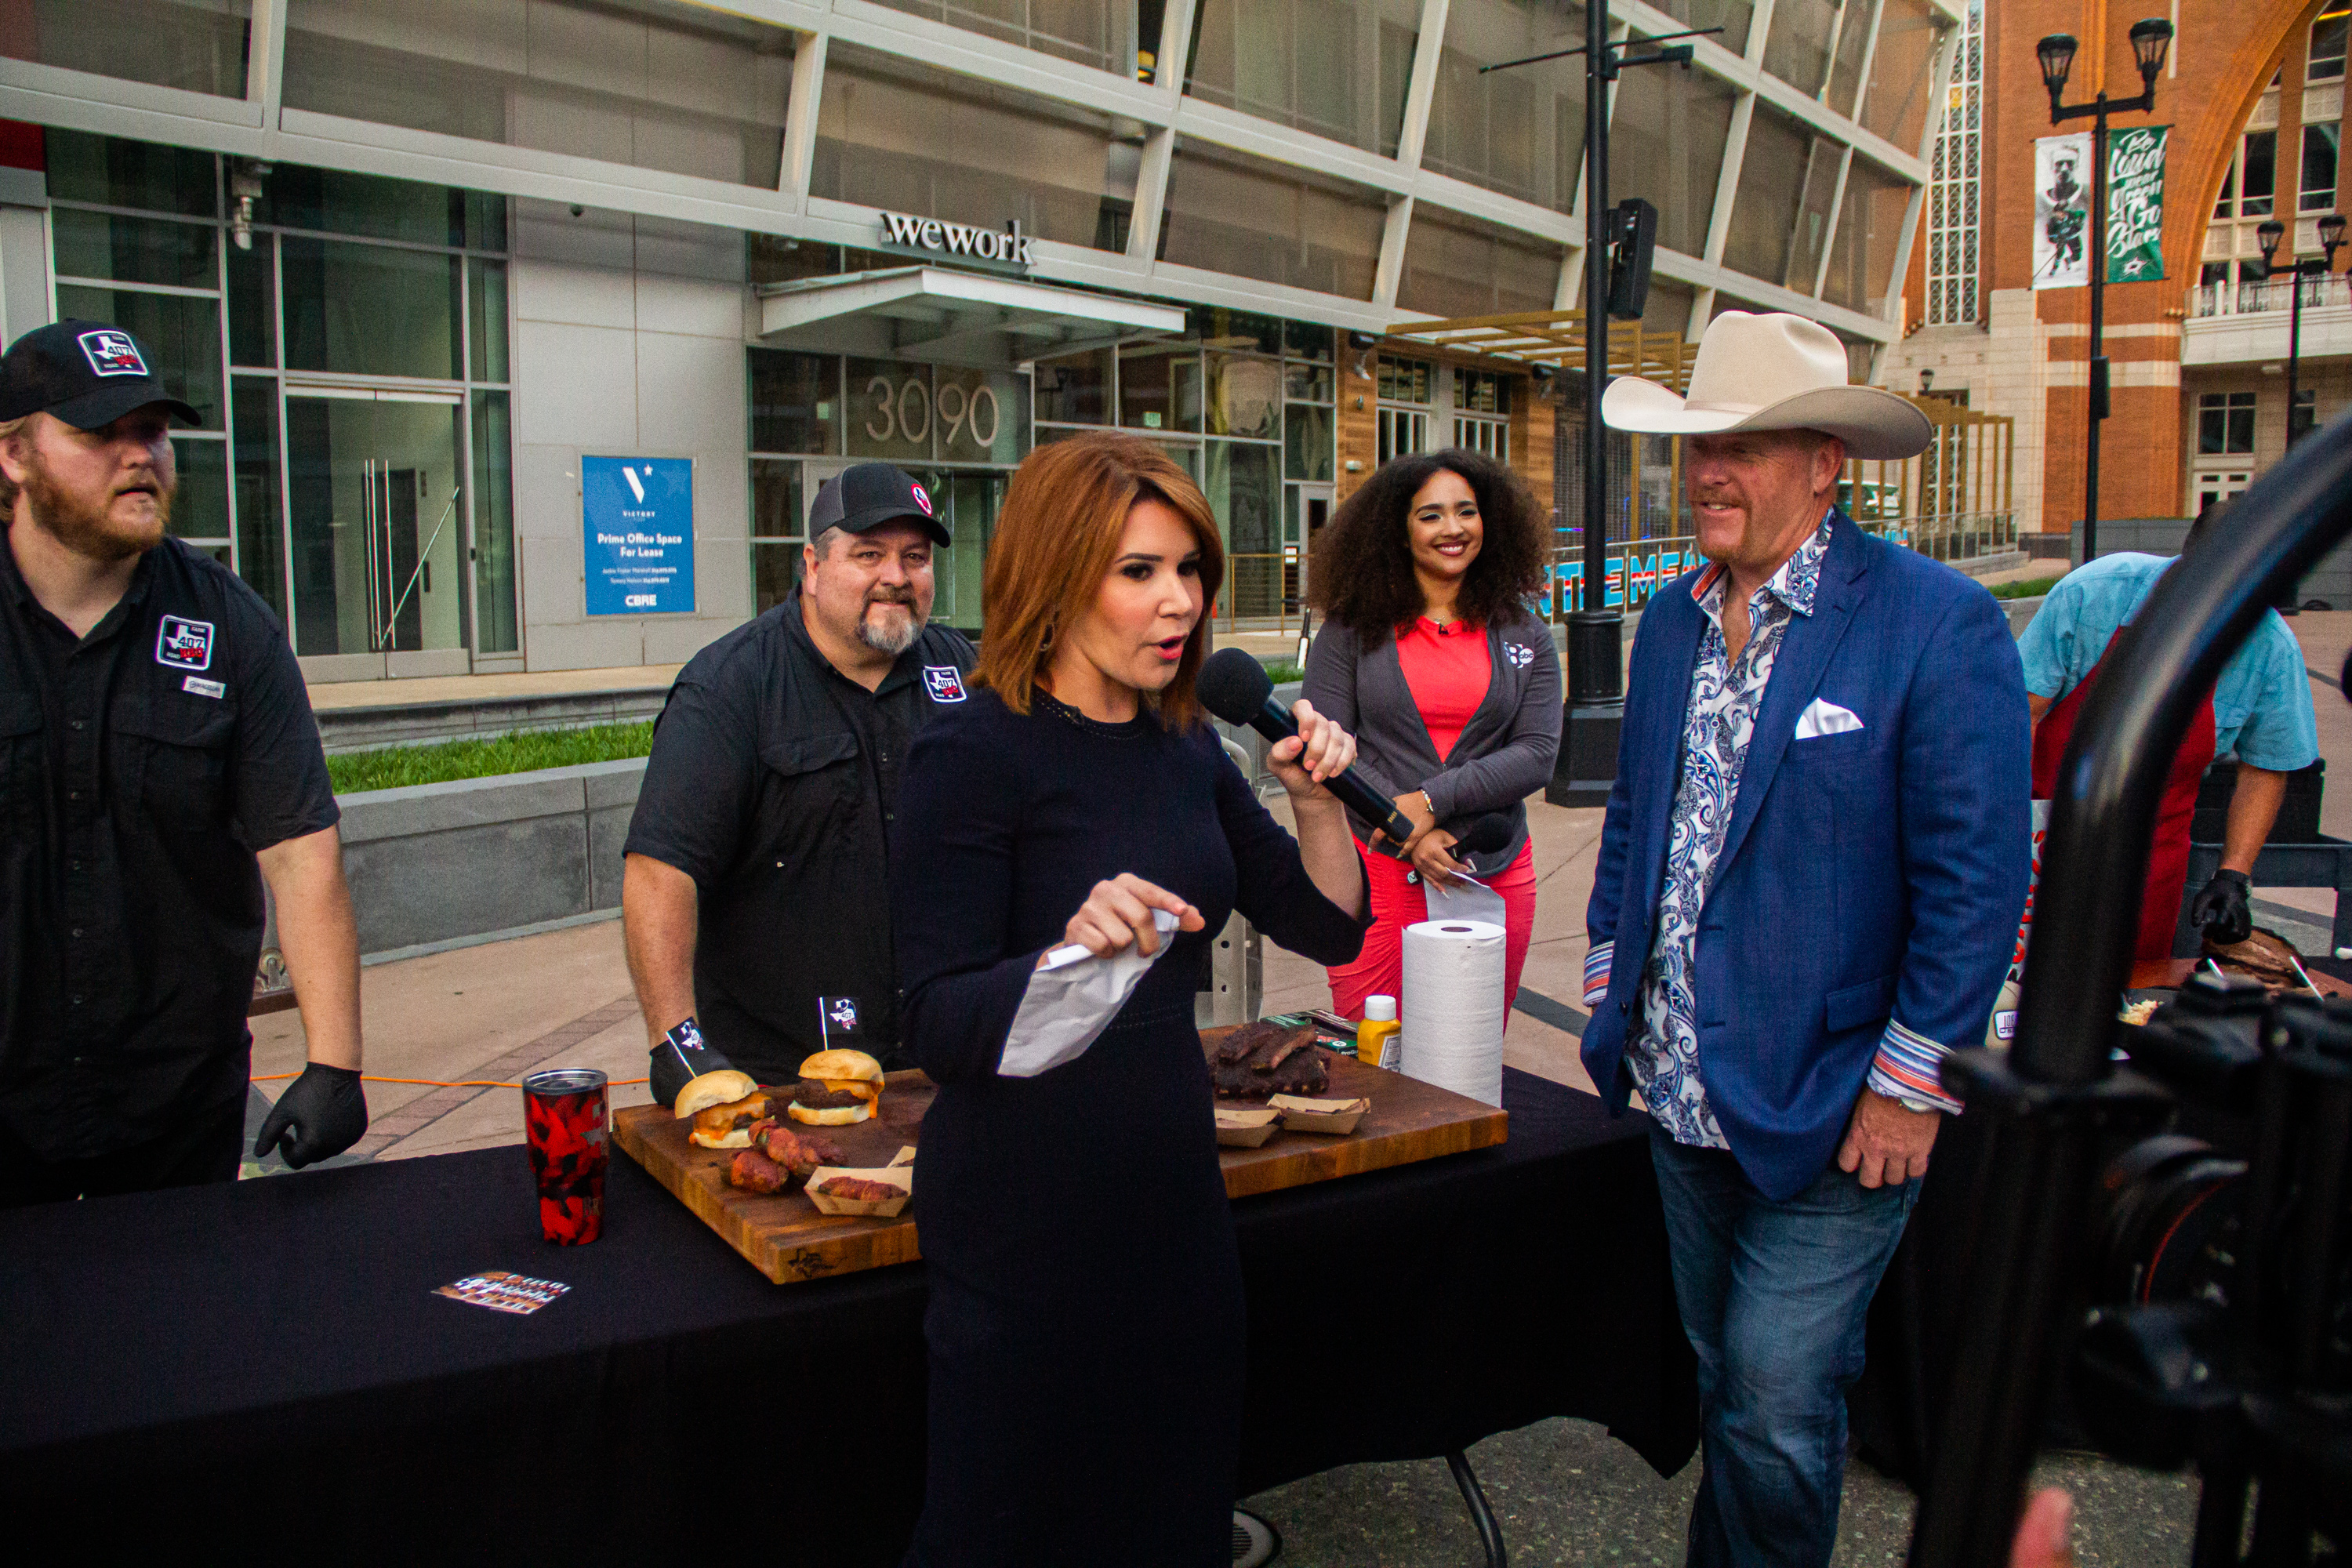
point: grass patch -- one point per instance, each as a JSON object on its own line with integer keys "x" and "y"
{"x": 2032, "y": 588}
{"x": 396, "y": 767}
{"x": 1279, "y": 670}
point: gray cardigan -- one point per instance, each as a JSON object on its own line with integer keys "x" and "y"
{"x": 1505, "y": 752}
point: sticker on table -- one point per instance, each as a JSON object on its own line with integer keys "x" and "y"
{"x": 503, "y": 1292}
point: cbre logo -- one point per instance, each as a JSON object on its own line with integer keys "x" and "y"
{"x": 955, "y": 239}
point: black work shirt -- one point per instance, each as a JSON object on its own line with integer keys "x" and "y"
{"x": 142, "y": 767}
{"x": 772, "y": 783}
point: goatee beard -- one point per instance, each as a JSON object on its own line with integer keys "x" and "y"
{"x": 85, "y": 529}
{"x": 893, "y": 643}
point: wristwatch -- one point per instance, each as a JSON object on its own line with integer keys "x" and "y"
{"x": 1908, "y": 1104}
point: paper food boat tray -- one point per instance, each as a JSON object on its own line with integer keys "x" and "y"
{"x": 899, "y": 1173}
{"x": 1245, "y": 1129}
{"x": 1336, "y": 1117}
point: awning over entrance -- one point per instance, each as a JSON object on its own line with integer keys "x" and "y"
{"x": 1557, "y": 338}
{"x": 940, "y": 316}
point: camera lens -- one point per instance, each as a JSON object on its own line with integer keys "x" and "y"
{"x": 2172, "y": 1208}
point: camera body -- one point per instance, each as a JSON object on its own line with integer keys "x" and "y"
{"x": 2222, "y": 1335}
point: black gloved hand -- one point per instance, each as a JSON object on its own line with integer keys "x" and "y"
{"x": 2225, "y": 910}
{"x": 322, "y": 1113}
{"x": 680, "y": 1059}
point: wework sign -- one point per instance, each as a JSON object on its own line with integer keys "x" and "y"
{"x": 1009, "y": 245}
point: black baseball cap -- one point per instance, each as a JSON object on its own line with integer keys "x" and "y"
{"x": 84, "y": 373}
{"x": 869, "y": 495}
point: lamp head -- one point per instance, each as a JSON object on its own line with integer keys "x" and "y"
{"x": 2331, "y": 234}
{"x": 2268, "y": 237}
{"x": 2057, "y": 55}
{"x": 1926, "y": 380}
{"x": 2151, "y": 39}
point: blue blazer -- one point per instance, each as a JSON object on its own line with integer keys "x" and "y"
{"x": 1872, "y": 875}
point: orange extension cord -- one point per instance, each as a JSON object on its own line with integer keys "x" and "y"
{"x": 437, "y": 1083}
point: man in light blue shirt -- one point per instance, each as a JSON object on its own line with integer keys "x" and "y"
{"x": 2262, "y": 711}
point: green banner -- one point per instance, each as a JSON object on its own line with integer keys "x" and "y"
{"x": 2135, "y": 204}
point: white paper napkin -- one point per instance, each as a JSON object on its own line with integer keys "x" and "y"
{"x": 1468, "y": 899}
{"x": 1071, "y": 1000}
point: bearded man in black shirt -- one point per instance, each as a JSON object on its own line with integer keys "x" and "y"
{"x": 157, "y": 761}
{"x": 752, "y": 893}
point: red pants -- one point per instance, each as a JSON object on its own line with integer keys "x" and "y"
{"x": 1378, "y": 970}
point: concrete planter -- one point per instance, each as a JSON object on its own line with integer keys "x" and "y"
{"x": 444, "y": 862}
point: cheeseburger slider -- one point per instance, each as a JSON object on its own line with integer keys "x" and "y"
{"x": 723, "y": 1105}
{"x": 836, "y": 1087}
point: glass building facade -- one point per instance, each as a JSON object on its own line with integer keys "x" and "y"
{"x": 415, "y": 262}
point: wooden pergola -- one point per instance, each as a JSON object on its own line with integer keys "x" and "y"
{"x": 1952, "y": 501}
{"x": 1556, "y": 338}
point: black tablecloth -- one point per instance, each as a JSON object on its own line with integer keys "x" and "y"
{"x": 266, "y": 1366}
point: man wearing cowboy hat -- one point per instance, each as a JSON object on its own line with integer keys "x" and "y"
{"x": 1811, "y": 875}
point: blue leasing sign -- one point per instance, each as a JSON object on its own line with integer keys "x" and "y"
{"x": 636, "y": 522}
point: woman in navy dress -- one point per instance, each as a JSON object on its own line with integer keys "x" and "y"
{"x": 1086, "y": 1322}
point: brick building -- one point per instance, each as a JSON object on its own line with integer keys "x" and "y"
{"x": 2254, "y": 97}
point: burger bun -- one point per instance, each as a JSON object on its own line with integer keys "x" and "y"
{"x": 712, "y": 1088}
{"x": 841, "y": 1067}
{"x": 832, "y": 1115}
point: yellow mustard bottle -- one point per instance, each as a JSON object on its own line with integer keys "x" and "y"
{"x": 1376, "y": 1037}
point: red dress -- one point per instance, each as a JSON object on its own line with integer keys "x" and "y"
{"x": 1447, "y": 668}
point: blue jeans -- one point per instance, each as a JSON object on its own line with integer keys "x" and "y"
{"x": 1773, "y": 1297}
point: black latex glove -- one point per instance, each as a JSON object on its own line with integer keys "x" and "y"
{"x": 2224, "y": 910}
{"x": 322, "y": 1113}
{"x": 680, "y": 1059}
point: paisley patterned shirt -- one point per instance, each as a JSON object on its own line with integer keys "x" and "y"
{"x": 1726, "y": 696}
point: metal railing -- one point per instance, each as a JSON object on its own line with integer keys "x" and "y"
{"x": 1263, "y": 592}
{"x": 1638, "y": 568}
{"x": 2247, "y": 299}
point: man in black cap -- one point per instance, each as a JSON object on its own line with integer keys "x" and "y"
{"x": 157, "y": 761}
{"x": 752, "y": 894}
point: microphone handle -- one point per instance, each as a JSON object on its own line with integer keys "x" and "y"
{"x": 1351, "y": 787}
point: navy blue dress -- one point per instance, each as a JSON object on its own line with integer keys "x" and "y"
{"x": 1085, "y": 1322}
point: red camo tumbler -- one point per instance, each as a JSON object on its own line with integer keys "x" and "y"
{"x": 569, "y": 1129}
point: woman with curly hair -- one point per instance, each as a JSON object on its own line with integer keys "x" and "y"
{"x": 1430, "y": 658}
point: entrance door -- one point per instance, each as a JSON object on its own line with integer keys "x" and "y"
{"x": 972, "y": 498}
{"x": 1310, "y": 509}
{"x": 378, "y": 514}
{"x": 2214, "y": 486}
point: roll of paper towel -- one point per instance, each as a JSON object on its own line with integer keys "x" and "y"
{"x": 1453, "y": 1006}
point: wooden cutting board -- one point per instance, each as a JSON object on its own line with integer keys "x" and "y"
{"x": 784, "y": 1238}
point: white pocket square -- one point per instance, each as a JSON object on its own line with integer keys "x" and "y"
{"x": 1825, "y": 719}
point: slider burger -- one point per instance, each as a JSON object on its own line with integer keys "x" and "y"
{"x": 836, "y": 1087}
{"x": 723, "y": 1105}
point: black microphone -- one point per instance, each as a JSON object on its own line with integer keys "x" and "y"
{"x": 1485, "y": 836}
{"x": 1236, "y": 688}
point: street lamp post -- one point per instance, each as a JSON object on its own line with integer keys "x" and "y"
{"x": 2152, "y": 38}
{"x": 1596, "y": 670}
{"x": 2331, "y": 235}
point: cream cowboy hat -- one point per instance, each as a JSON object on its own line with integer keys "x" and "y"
{"x": 1771, "y": 372}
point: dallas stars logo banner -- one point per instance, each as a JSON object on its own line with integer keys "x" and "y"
{"x": 2062, "y": 211}
{"x": 2135, "y": 204}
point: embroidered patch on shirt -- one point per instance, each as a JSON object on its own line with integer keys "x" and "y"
{"x": 944, "y": 681}
{"x": 203, "y": 688}
{"x": 184, "y": 644}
